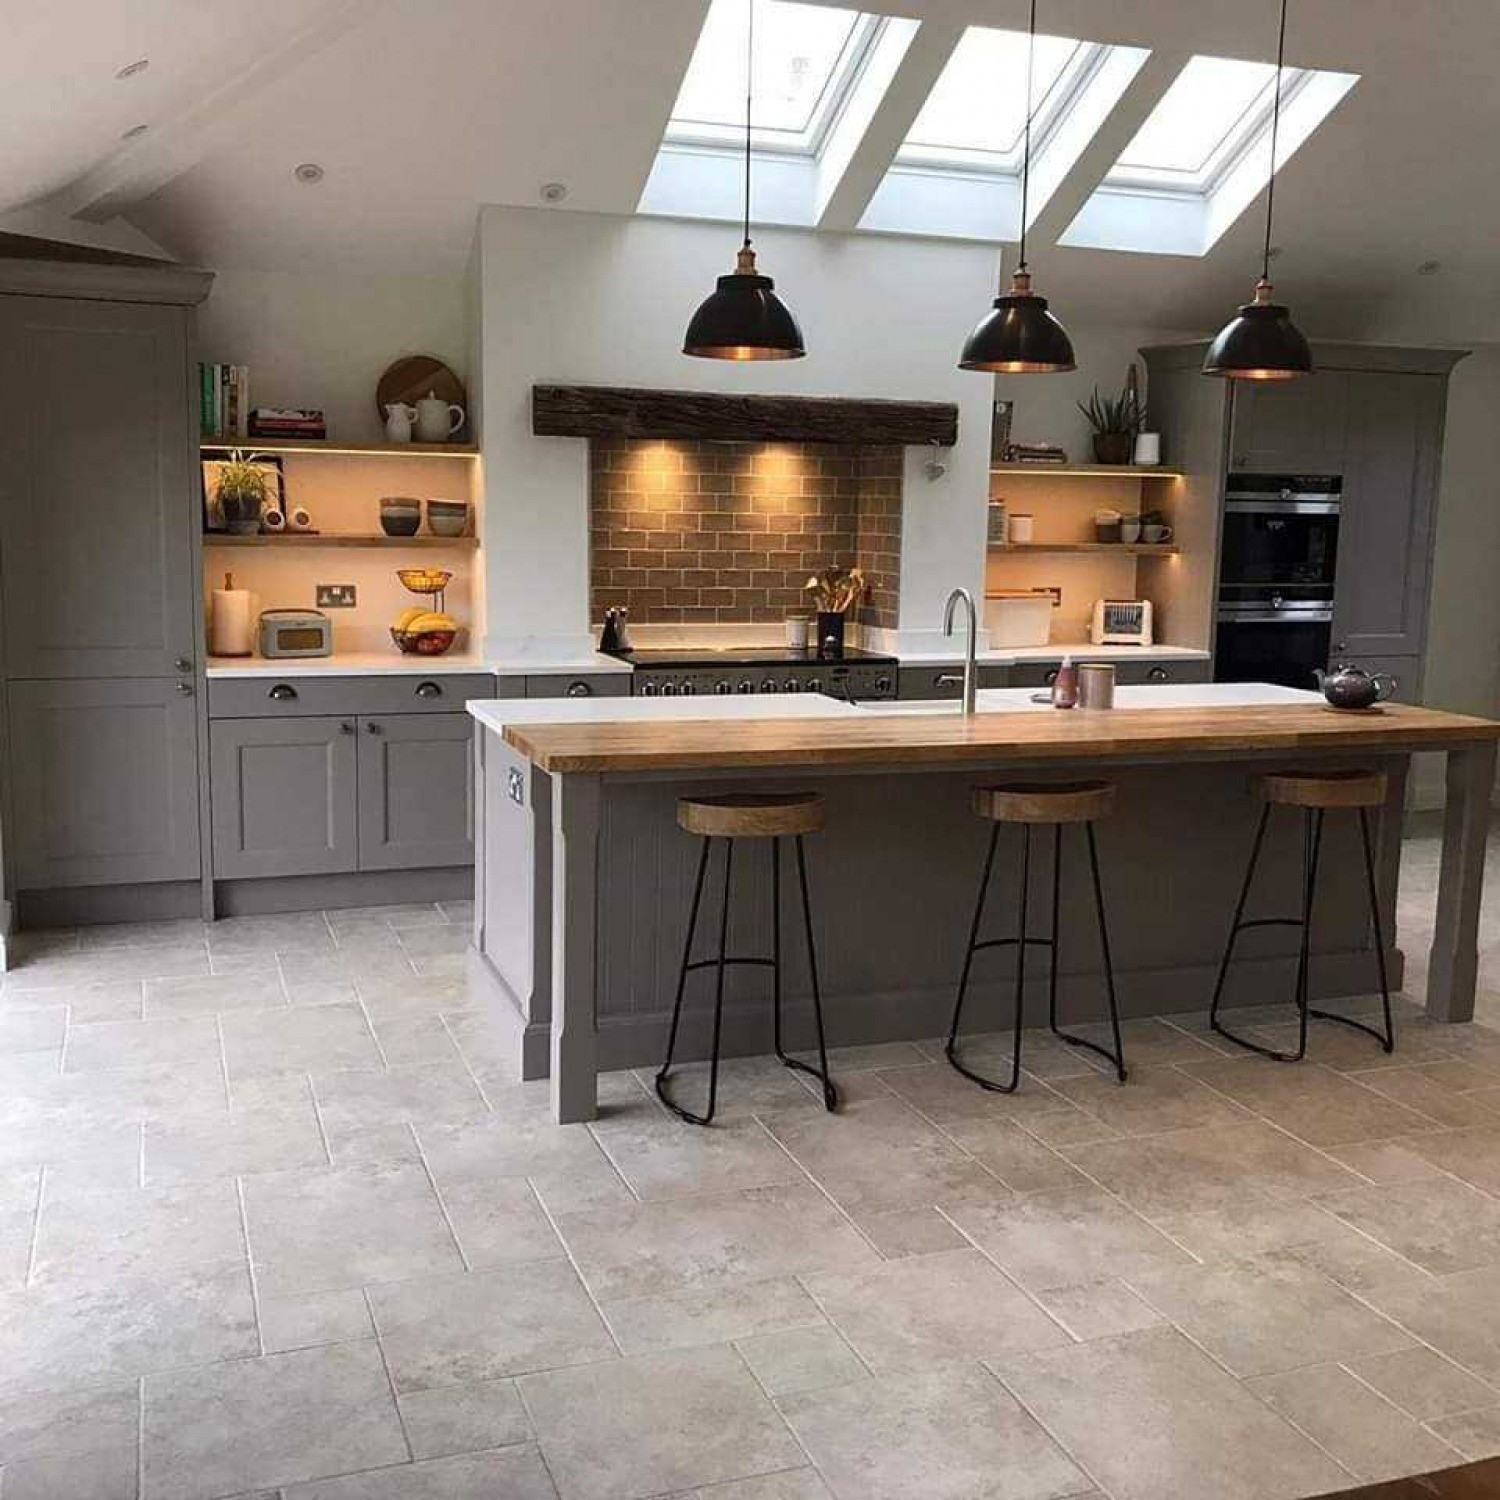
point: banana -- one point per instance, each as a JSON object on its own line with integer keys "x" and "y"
{"x": 408, "y": 615}
{"x": 430, "y": 620}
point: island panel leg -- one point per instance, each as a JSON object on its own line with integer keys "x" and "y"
{"x": 1454, "y": 968}
{"x": 575, "y": 969}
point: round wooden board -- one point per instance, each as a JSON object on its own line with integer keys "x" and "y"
{"x": 415, "y": 375}
{"x": 1374, "y": 708}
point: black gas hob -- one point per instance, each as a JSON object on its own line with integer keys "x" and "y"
{"x": 685, "y": 672}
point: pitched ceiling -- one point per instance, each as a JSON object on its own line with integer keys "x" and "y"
{"x": 419, "y": 110}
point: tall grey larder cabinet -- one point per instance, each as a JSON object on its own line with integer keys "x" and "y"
{"x": 99, "y": 586}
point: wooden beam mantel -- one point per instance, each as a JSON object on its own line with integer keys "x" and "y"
{"x": 605, "y": 411}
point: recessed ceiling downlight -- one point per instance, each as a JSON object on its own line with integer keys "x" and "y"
{"x": 308, "y": 171}
{"x": 553, "y": 192}
{"x": 131, "y": 69}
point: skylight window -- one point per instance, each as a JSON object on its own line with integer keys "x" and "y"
{"x": 975, "y": 115}
{"x": 1215, "y": 110}
{"x": 806, "y": 59}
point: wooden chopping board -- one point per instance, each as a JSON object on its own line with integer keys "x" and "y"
{"x": 416, "y": 375}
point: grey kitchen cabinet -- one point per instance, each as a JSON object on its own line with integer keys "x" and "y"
{"x": 925, "y": 681}
{"x": 1154, "y": 673}
{"x": 98, "y": 490}
{"x": 1290, "y": 426}
{"x": 285, "y": 796}
{"x": 1386, "y": 529}
{"x": 103, "y": 782}
{"x": 416, "y": 791}
{"x": 580, "y": 685}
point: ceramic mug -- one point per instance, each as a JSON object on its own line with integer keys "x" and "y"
{"x": 1156, "y": 534}
{"x": 1130, "y": 529}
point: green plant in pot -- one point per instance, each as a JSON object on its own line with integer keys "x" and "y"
{"x": 1115, "y": 420}
{"x": 244, "y": 489}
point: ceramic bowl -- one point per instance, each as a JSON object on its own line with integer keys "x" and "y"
{"x": 449, "y": 520}
{"x": 396, "y": 524}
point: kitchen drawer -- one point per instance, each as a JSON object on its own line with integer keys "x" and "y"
{"x": 296, "y": 697}
{"x": 580, "y": 685}
{"x": 922, "y": 682}
{"x": 1134, "y": 673}
{"x": 1128, "y": 673}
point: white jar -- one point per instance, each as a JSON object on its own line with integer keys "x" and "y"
{"x": 1022, "y": 529}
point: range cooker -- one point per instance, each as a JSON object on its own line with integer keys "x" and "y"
{"x": 761, "y": 669}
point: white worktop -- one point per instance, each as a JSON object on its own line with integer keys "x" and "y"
{"x": 1004, "y": 656}
{"x": 496, "y": 713}
{"x": 381, "y": 663}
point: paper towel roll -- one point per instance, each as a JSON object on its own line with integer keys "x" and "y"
{"x": 231, "y": 628}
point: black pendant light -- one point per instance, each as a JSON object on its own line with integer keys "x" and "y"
{"x": 744, "y": 318}
{"x": 1020, "y": 337}
{"x": 1261, "y": 342}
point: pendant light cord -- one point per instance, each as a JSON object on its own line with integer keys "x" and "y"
{"x": 750, "y": 95}
{"x": 1265, "y": 274}
{"x": 1026, "y": 147}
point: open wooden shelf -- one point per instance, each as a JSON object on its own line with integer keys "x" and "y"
{"x": 333, "y": 539}
{"x": 1090, "y": 471}
{"x": 326, "y": 448}
{"x": 1129, "y": 549}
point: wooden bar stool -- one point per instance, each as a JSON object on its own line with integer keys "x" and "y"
{"x": 1316, "y": 793}
{"x": 1054, "y": 805}
{"x": 748, "y": 815}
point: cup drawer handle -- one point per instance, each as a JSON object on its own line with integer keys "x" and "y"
{"x": 429, "y": 690}
{"x": 283, "y": 692}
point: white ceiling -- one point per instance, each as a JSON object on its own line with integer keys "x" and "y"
{"x": 419, "y": 110}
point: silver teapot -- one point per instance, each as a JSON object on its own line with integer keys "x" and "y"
{"x": 1354, "y": 688}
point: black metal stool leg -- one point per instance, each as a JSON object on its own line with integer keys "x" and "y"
{"x": 1312, "y": 844}
{"x": 1238, "y": 926}
{"x": 720, "y": 964}
{"x": 1117, "y": 1057}
{"x": 1387, "y": 1038}
{"x": 682, "y": 974}
{"x": 830, "y": 1093}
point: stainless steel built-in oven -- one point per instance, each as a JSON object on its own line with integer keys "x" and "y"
{"x": 1281, "y": 533}
{"x": 1277, "y": 567}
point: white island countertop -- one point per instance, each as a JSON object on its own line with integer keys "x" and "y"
{"x": 497, "y": 713}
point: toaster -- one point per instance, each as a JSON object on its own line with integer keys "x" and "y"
{"x": 295, "y": 632}
{"x": 1121, "y": 622}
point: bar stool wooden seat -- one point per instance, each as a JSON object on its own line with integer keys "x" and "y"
{"x": 730, "y": 818}
{"x": 1044, "y": 804}
{"x": 1316, "y": 793}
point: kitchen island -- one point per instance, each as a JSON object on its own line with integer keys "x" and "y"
{"x": 583, "y": 878}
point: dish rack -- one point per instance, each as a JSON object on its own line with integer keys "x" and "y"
{"x": 431, "y": 582}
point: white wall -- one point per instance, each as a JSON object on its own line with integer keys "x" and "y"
{"x": 603, "y": 300}
{"x": 323, "y": 338}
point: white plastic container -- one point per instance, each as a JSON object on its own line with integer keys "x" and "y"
{"x": 1018, "y": 619}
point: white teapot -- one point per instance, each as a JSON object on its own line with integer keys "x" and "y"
{"x": 437, "y": 420}
{"x": 398, "y": 422}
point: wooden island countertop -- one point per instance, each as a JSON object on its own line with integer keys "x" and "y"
{"x": 890, "y": 738}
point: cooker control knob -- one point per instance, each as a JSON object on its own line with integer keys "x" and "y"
{"x": 669, "y": 690}
{"x": 648, "y": 690}
{"x": 882, "y": 685}
{"x": 768, "y": 685}
{"x": 744, "y": 685}
{"x": 815, "y": 684}
{"x": 722, "y": 685}
{"x": 686, "y": 689}
{"x": 791, "y": 685}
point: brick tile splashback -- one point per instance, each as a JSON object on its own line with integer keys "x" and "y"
{"x": 727, "y": 533}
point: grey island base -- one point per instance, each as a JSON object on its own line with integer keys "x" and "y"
{"x": 584, "y": 880}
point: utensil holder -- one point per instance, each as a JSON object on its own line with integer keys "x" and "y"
{"x": 830, "y": 633}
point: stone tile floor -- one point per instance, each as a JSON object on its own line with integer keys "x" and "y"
{"x": 276, "y": 1220}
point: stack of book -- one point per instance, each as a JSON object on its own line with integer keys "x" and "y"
{"x": 1035, "y": 453}
{"x": 288, "y": 422}
{"x": 224, "y": 400}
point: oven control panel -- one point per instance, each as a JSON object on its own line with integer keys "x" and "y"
{"x": 837, "y": 679}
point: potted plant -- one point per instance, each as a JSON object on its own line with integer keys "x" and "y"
{"x": 1115, "y": 421}
{"x": 835, "y": 591}
{"x": 243, "y": 490}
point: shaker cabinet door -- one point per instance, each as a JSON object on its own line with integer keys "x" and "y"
{"x": 1385, "y": 532}
{"x": 1290, "y": 426}
{"x": 98, "y": 489}
{"x": 416, "y": 791}
{"x": 104, "y": 782}
{"x": 284, "y": 794}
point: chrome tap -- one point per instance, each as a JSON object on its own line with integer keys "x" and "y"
{"x": 970, "y": 677}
